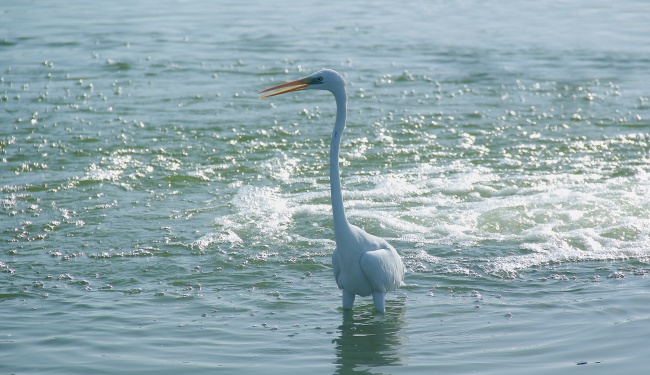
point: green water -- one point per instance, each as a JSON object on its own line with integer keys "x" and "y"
{"x": 157, "y": 217}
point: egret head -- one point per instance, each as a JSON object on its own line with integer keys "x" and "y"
{"x": 325, "y": 79}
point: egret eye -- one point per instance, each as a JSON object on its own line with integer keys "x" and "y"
{"x": 319, "y": 79}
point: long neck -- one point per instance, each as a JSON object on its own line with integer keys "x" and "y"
{"x": 340, "y": 221}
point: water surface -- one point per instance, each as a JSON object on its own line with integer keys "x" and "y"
{"x": 157, "y": 217}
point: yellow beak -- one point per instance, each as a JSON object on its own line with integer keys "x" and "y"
{"x": 285, "y": 88}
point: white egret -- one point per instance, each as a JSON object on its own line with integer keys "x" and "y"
{"x": 363, "y": 264}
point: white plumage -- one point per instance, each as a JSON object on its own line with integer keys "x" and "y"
{"x": 363, "y": 264}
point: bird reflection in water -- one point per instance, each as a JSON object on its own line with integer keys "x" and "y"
{"x": 369, "y": 341}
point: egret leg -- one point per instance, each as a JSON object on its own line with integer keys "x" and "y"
{"x": 348, "y": 300}
{"x": 379, "y": 300}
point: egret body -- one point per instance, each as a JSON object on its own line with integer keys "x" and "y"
{"x": 363, "y": 264}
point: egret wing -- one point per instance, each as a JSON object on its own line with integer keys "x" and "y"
{"x": 383, "y": 268}
{"x": 336, "y": 268}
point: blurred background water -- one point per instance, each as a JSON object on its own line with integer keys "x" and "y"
{"x": 157, "y": 217}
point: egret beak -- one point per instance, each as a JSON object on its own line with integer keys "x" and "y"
{"x": 285, "y": 88}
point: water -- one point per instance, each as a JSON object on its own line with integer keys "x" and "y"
{"x": 157, "y": 217}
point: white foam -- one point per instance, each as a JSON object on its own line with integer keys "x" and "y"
{"x": 209, "y": 239}
{"x": 258, "y": 211}
{"x": 522, "y": 220}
